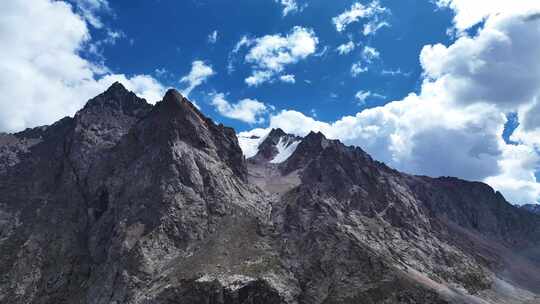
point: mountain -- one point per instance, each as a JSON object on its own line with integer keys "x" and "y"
{"x": 132, "y": 203}
{"x": 532, "y": 208}
{"x": 276, "y": 147}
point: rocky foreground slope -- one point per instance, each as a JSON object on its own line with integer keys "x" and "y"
{"x": 132, "y": 203}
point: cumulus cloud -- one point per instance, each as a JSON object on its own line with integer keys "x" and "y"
{"x": 270, "y": 54}
{"x": 497, "y": 66}
{"x": 517, "y": 180}
{"x": 45, "y": 77}
{"x": 200, "y": 72}
{"x": 469, "y": 13}
{"x": 453, "y": 126}
{"x": 246, "y": 110}
{"x": 373, "y": 13}
{"x": 346, "y": 48}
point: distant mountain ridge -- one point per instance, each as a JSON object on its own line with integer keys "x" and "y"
{"x": 132, "y": 203}
{"x": 532, "y": 208}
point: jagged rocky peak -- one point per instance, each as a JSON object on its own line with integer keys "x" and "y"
{"x": 276, "y": 147}
{"x": 176, "y": 120}
{"x": 117, "y": 99}
{"x": 316, "y": 147}
{"x": 176, "y": 108}
{"x": 276, "y": 133}
{"x": 100, "y": 125}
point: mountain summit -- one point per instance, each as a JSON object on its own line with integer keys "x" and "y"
{"x": 132, "y": 203}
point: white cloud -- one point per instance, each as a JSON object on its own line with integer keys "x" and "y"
{"x": 259, "y": 77}
{"x": 246, "y": 110}
{"x": 243, "y": 42}
{"x": 517, "y": 180}
{"x": 289, "y": 6}
{"x": 369, "y": 55}
{"x": 358, "y": 68}
{"x": 113, "y": 36}
{"x": 199, "y": 73}
{"x": 90, "y": 9}
{"x": 213, "y": 37}
{"x": 396, "y": 72}
{"x": 469, "y": 13}
{"x": 453, "y": 126}
{"x": 322, "y": 52}
{"x": 287, "y": 78}
{"x": 373, "y": 12}
{"x": 96, "y": 47}
{"x": 295, "y": 122}
{"x": 528, "y": 131}
{"x": 346, "y": 48}
{"x": 373, "y": 26}
{"x": 504, "y": 53}
{"x": 45, "y": 78}
{"x": 362, "y": 96}
{"x": 161, "y": 72}
{"x": 144, "y": 86}
{"x": 270, "y": 54}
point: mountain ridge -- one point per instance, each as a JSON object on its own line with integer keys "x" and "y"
{"x": 132, "y": 203}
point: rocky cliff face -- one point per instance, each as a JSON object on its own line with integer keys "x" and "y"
{"x": 132, "y": 203}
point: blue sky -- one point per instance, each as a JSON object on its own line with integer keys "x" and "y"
{"x": 171, "y": 34}
{"x": 431, "y": 87}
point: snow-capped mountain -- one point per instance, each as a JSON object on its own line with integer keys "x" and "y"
{"x": 274, "y": 147}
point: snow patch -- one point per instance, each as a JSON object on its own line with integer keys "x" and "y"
{"x": 249, "y": 146}
{"x": 285, "y": 150}
{"x": 230, "y": 282}
{"x": 250, "y": 141}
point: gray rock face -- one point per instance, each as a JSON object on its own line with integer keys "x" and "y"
{"x": 132, "y": 203}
